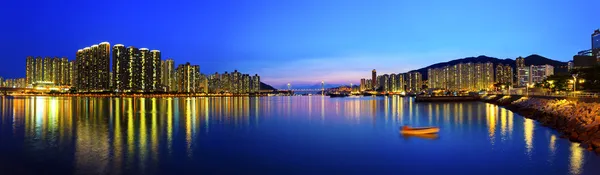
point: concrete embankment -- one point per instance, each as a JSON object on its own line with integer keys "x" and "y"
{"x": 577, "y": 119}
{"x": 445, "y": 98}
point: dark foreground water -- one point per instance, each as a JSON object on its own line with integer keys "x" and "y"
{"x": 275, "y": 135}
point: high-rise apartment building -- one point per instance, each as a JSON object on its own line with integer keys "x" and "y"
{"x": 462, "y": 77}
{"x": 255, "y": 83}
{"x": 393, "y": 83}
{"x": 363, "y": 84}
{"x": 39, "y": 69}
{"x": 188, "y": 78}
{"x": 236, "y": 82}
{"x": 168, "y": 74}
{"x": 47, "y": 66}
{"x": 49, "y": 70}
{"x": 93, "y": 68}
{"x": 523, "y": 73}
{"x": 30, "y": 70}
{"x": 120, "y": 68}
{"x": 540, "y": 72}
{"x": 154, "y": 72}
{"x": 101, "y": 59}
{"x": 520, "y": 62}
{"x": 400, "y": 83}
{"x": 414, "y": 81}
{"x": 374, "y": 79}
{"x": 504, "y": 74}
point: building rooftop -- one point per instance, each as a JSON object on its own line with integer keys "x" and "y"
{"x": 119, "y": 45}
{"x": 105, "y": 42}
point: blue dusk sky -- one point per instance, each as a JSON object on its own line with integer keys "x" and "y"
{"x": 302, "y": 42}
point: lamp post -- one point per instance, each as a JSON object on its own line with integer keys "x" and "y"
{"x": 527, "y": 90}
{"x": 574, "y": 82}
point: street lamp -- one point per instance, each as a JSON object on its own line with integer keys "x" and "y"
{"x": 527, "y": 89}
{"x": 574, "y": 82}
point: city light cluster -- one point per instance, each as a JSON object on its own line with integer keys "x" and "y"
{"x": 133, "y": 70}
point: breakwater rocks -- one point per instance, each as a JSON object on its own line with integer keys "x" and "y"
{"x": 578, "y": 121}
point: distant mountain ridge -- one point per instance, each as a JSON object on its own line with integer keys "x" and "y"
{"x": 529, "y": 60}
{"x": 264, "y": 86}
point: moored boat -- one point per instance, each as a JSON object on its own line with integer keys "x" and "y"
{"x": 419, "y": 130}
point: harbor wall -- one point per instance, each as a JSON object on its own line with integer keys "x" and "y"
{"x": 577, "y": 119}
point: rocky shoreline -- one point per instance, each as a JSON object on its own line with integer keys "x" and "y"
{"x": 577, "y": 121}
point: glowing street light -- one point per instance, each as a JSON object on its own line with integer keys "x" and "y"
{"x": 527, "y": 89}
{"x": 574, "y": 82}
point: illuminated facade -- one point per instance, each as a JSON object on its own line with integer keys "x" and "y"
{"x": 414, "y": 81}
{"x": 93, "y": 68}
{"x": 504, "y": 74}
{"x": 540, "y": 72}
{"x": 203, "y": 83}
{"x": 168, "y": 75}
{"x": 523, "y": 73}
{"x": 47, "y": 69}
{"x": 54, "y": 71}
{"x": 462, "y": 77}
{"x": 374, "y": 79}
{"x": 137, "y": 70}
{"x": 39, "y": 69}
{"x": 152, "y": 70}
{"x": 15, "y": 83}
{"x": 400, "y": 83}
{"x": 255, "y": 84}
{"x": 393, "y": 83}
{"x": 236, "y": 82}
{"x": 188, "y": 78}
{"x": 120, "y": 68}
{"x": 245, "y": 83}
{"x": 30, "y": 70}
{"x": 363, "y": 84}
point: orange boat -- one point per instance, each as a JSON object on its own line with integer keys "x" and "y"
{"x": 419, "y": 130}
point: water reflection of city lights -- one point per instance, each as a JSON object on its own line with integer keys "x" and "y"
{"x": 528, "y": 128}
{"x": 576, "y": 159}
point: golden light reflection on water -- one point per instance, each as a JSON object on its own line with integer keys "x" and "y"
{"x": 135, "y": 130}
{"x": 188, "y": 127}
{"x": 503, "y": 123}
{"x": 576, "y": 159}
{"x": 491, "y": 121}
{"x": 170, "y": 126}
{"x": 528, "y": 131}
{"x": 552, "y": 146}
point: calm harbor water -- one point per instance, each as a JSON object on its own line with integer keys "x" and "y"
{"x": 275, "y": 135}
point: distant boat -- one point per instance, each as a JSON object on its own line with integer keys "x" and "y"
{"x": 419, "y": 130}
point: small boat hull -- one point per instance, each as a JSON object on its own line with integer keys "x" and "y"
{"x": 420, "y": 131}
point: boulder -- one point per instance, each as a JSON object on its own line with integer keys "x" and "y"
{"x": 595, "y": 143}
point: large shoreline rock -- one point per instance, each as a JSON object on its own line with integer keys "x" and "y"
{"x": 578, "y": 121}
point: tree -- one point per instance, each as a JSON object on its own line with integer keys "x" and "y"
{"x": 588, "y": 78}
{"x": 557, "y": 82}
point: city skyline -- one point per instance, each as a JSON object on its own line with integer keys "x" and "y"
{"x": 301, "y": 42}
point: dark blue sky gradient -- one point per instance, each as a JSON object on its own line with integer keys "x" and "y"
{"x": 302, "y": 42}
